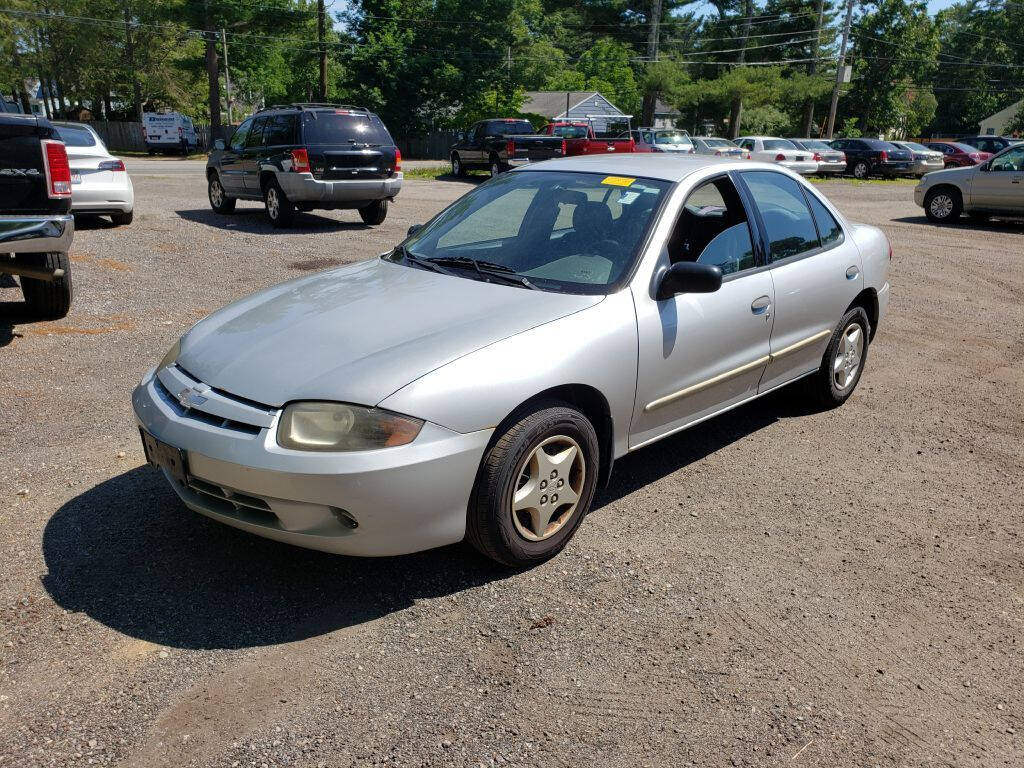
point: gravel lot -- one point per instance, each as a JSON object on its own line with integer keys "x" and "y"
{"x": 775, "y": 587}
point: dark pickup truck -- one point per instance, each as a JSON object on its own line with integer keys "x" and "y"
{"x": 36, "y": 227}
{"x": 497, "y": 145}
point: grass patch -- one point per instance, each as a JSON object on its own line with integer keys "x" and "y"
{"x": 432, "y": 173}
{"x": 897, "y": 182}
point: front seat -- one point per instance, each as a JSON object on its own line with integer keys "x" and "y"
{"x": 592, "y": 223}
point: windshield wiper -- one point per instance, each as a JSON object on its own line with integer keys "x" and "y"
{"x": 487, "y": 269}
{"x": 429, "y": 264}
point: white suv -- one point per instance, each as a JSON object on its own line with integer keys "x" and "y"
{"x": 992, "y": 188}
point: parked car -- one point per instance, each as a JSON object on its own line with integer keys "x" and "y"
{"x": 867, "y": 157}
{"x": 99, "y": 182}
{"x": 990, "y": 144}
{"x": 830, "y": 161}
{"x": 660, "y": 140}
{"x": 169, "y": 132}
{"x": 713, "y": 145}
{"x": 957, "y": 155}
{"x": 925, "y": 160}
{"x": 306, "y": 157}
{"x": 36, "y": 226}
{"x": 497, "y": 145}
{"x": 580, "y": 139}
{"x": 992, "y": 188}
{"x": 632, "y": 298}
{"x": 771, "y": 149}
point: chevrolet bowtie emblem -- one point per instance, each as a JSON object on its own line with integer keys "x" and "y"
{"x": 192, "y": 397}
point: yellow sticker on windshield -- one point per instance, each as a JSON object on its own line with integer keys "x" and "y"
{"x": 617, "y": 181}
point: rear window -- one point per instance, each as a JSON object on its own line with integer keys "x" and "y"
{"x": 571, "y": 131}
{"x": 779, "y": 144}
{"x": 75, "y": 137}
{"x": 279, "y": 130}
{"x": 963, "y": 147}
{"x": 815, "y": 144}
{"x": 913, "y": 146}
{"x": 322, "y": 127}
{"x": 718, "y": 142}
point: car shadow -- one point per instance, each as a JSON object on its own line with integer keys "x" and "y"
{"x": 90, "y": 221}
{"x": 13, "y": 313}
{"x": 254, "y": 221}
{"x": 130, "y": 555}
{"x": 965, "y": 223}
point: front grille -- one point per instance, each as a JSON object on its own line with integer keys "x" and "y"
{"x": 201, "y": 416}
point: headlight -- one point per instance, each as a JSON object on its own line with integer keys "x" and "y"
{"x": 318, "y": 426}
{"x": 171, "y": 357}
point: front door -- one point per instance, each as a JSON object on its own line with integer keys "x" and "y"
{"x": 816, "y": 272}
{"x": 231, "y": 160}
{"x": 701, "y": 353}
{"x": 1001, "y": 187}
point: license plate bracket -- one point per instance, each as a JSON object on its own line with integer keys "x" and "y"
{"x": 164, "y": 456}
{"x": 76, "y": 177}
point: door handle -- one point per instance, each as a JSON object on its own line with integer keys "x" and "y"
{"x": 760, "y": 305}
{"x": 852, "y": 272}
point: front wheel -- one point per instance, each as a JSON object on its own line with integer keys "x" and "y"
{"x": 375, "y": 212}
{"x": 49, "y": 299}
{"x": 861, "y": 170}
{"x": 219, "y": 200}
{"x": 943, "y": 205}
{"x": 534, "y": 487}
{"x": 458, "y": 169}
{"x": 843, "y": 361}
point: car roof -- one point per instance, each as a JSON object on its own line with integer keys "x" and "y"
{"x": 665, "y": 167}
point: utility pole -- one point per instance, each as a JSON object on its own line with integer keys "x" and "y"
{"x": 129, "y": 44}
{"x": 650, "y": 97}
{"x": 227, "y": 74}
{"x": 812, "y": 69}
{"x": 736, "y": 113}
{"x": 320, "y": 25}
{"x": 212, "y": 75}
{"x": 840, "y": 65}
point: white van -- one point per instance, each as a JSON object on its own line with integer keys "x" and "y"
{"x": 169, "y": 132}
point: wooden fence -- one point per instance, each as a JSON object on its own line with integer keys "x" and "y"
{"x": 432, "y": 146}
{"x": 127, "y": 137}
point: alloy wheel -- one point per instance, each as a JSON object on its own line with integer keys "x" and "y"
{"x": 941, "y": 206}
{"x": 216, "y": 193}
{"x": 273, "y": 204}
{"x": 848, "y": 356}
{"x": 548, "y": 488}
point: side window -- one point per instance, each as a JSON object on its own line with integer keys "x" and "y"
{"x": 839, "y": 144}
{"x": 828, "y": 228}
{"x": 255, "y": 137}
{"x": 1011, "y": 160}
{"x": 280, "y": 130}
{"x": 712, "y": 229}
{"x": 479, "y": 131}
{"x": 239, "y": 136}
{"x": 787, "y": 219}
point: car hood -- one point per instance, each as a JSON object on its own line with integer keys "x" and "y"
{"x": 953, "y": 175}
{"x": 358, "y": 333}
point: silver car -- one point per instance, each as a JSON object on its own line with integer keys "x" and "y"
{"x": 782, "y": 151}
{"x": 925, "y": 160}
{"x": 712, "y": 145}
{"x": 479, "y": 380}
{"x": 992, "y": 188}
{"x": 829, "y": 160}
{"x": 99, "y": 182}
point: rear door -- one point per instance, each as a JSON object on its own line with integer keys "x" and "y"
{"x": 1001, "y": 187}
{"x": 250, "y": 160}
{"x": 344, "y": 144}
{"x": 815, "y": 271}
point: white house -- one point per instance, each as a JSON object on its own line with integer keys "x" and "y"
{"x": 995, "y": 125}
{"x": 574, "y": 105}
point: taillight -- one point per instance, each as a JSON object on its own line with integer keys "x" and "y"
{"x": 779, "y": 157}
{"x": 510, "y": 148}
{"x": 974, "y": 156}
{"x": 816, "y": 158}
{"x": 749, "y": 156}
{"x": 300, "y": 160}
{"x": 564, "y": 148}
{"x": 884, "y": 157}
{"x": 718, "y": 153}
{"x": 398, "y": 159}
{"x": 57, "y": 169}
{"x": 111, "y": 165}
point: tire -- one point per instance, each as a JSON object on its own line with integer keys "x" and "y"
{"x": 277, "y": 205}
{"x": 495, "y": 166}
{"x": 458, "y": 169}
{"x": 50, "y": 300}
{"x": 837, "y": 378}
{"x": 861, "y": 170}
{"x": 219, "y": 200}
{"x": 942, "y": 205}
{"x": 375, "y": 212}
{"x": 122, "y": 219}
{"x": 514, "y": 463}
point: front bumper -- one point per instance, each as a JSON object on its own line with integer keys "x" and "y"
{"x": 403, "y": 499}
{"x": 919, "y": 193}
{"x": 36, "y": 234}
{"x": 303, "y": 188}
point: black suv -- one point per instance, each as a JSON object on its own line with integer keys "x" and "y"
{"x": 867, "y": 156}
{"x": 307, "y": 156}
{"x": 993, "y": 144}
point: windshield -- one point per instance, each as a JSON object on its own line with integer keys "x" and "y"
{"x": 323, "y": 127}
{"x": 570, "y": 131}
{"x": 510, "y": 128}
{"x": 779, "y": 144}
{"x": 574, "y": 232}
{"x": 671, "y": 137}
{"x": 719, "y": 143}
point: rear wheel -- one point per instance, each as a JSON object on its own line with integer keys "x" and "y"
{"x": 458, "y": 169}
{"x": 49, "y": 299}
{"x": 534, "y": 487}
{"x": 861, "y": 170}
{"x": 943, "y": 205}
{"x": 219, "y": 200}
{"x": 843, "y": 361}
{"x": 375, "y": 212}
{"x": 122, "y": 219}
{"x": 279, "y": 208}
{"x": 495, "y": 166}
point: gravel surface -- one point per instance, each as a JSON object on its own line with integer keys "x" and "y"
{"x": 774, "y": 587}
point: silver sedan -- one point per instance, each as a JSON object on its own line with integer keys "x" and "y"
{"x": 479, "y": 380}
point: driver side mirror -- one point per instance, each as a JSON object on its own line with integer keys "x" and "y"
{"x": 414, "y": 229}
{"x": 689, "y": 277}
{"x": 986, "y": 166}
{"x": 219, "y": 144}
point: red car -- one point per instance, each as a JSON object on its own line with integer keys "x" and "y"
{"x": 957, "y": 155}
